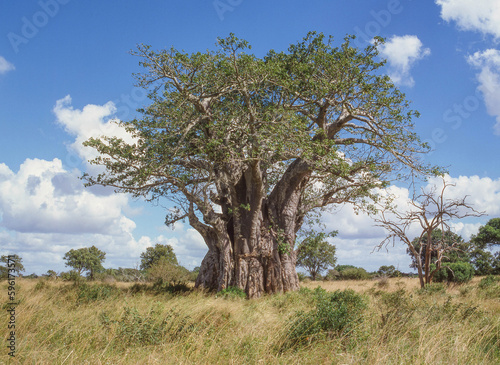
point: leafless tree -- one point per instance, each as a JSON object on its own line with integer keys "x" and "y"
{"x": 431, "y": 210}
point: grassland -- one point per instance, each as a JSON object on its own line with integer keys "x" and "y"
{"x": 60, "y": 323}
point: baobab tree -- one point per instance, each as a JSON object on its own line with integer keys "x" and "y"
{"x": 246, "y": 147}
{"x": 432, "y": 212}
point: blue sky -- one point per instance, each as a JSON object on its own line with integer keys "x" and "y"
{"x": 65, "y": 71}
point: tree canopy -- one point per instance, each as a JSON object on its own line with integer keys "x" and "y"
{"x": 152, "y": 255}
{"x": 246, "y": 147}
{"x": 315, "y": 254}
{"x": 85, "y": 259}
{"x": 488, "y": 236}
{"x": 10, "y": 260}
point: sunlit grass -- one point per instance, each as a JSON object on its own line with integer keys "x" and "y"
{"x": 401, "y": 326}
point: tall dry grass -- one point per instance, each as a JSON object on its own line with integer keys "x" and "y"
{"x": 57, "y": 324}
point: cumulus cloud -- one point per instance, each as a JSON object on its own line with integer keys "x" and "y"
{"x": 46, "y": 211}
{"x": 90, "y": 121}
{"x": 5, "y": 66}
{"x": 488, "y": 63}
{"x": 402, "y": 52}
{"x": 43, "y": 197}
{"x": 480, "y": 15}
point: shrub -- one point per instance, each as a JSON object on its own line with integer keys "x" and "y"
{"x": 332, "y": 275}
{"x": 432, "y": 288}
{"x": 336, "y": 314}
{"x": 71, "y": 276}
{"x": 232, "y": 292}
{"x": 455, "y": 272}
{"x": 489, "y": 281}
{"x": 357, "y": 273}
{"x": 90, "y": 293}
{"x": 490, "y": 286}
{"x": 165, "y": 272}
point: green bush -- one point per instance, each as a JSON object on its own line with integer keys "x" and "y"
{"x": 336, "y": 314}
{"x": 490, "y": 286}
{"x": 90, "y": 293}
{"x": 455, "y": 272}
{"x": 432, "y": 288}
{"x": 165, "y": 272}
{"x": 357, "y": 273}
{"x": 489, "y": 281}
{"x": 71, "y": 276}
{"x": 232, "y": 292}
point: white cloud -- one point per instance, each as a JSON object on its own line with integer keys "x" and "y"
{"x": 488, "y": 63}
{"x": 480, "y": 15}
{"x": 43, "y": 197}
{"x": 91, "y": 121}
{"x": 5, "y": 66}
{"x": 402, "y": 52}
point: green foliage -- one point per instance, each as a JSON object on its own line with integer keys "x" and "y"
{"x": 449, "y": 238}
{"x": 490, "y": 286}
{"x": 154, "y": 254}
{"x": 315, "y": 254}
{"x": 455, "y": 272}
{"x": 489, "y": 282}
{"x": 433, "y": 288}
{"x": 341, "y": 268}
{"x": 331, "y": 275}
{"x": 397, "y": 309}
{"x": 356, "y": 273}
{"x": 70, "y": 276}
{"x": 389, "y": 271}
{"x": 336, "y": 314}
{"x": 165, "y": 272}
{"x": 9, "y": 260}
{"x": 232, "y": 292}
{"x": 91, "y": 293}
{"x": 86, "y": 259}
{"x": 51, "y": 274}
{"x": 488, "y": 236}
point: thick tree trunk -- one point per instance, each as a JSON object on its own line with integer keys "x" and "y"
{"x": 263, "y": 270}
{"x": 254, "y": 249}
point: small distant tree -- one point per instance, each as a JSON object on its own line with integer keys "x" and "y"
{"x": 51, "y": 274}
{"x": 88, "y": 259}
{"x": 8, "y": 260}
{"x": 315, "y": 254}
{"x": 153, "y": 255}
{"x": 432, "y": 212}
{"x": 389, "y": 271}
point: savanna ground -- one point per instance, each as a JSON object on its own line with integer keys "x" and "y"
{"x": 395, "y": 323}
